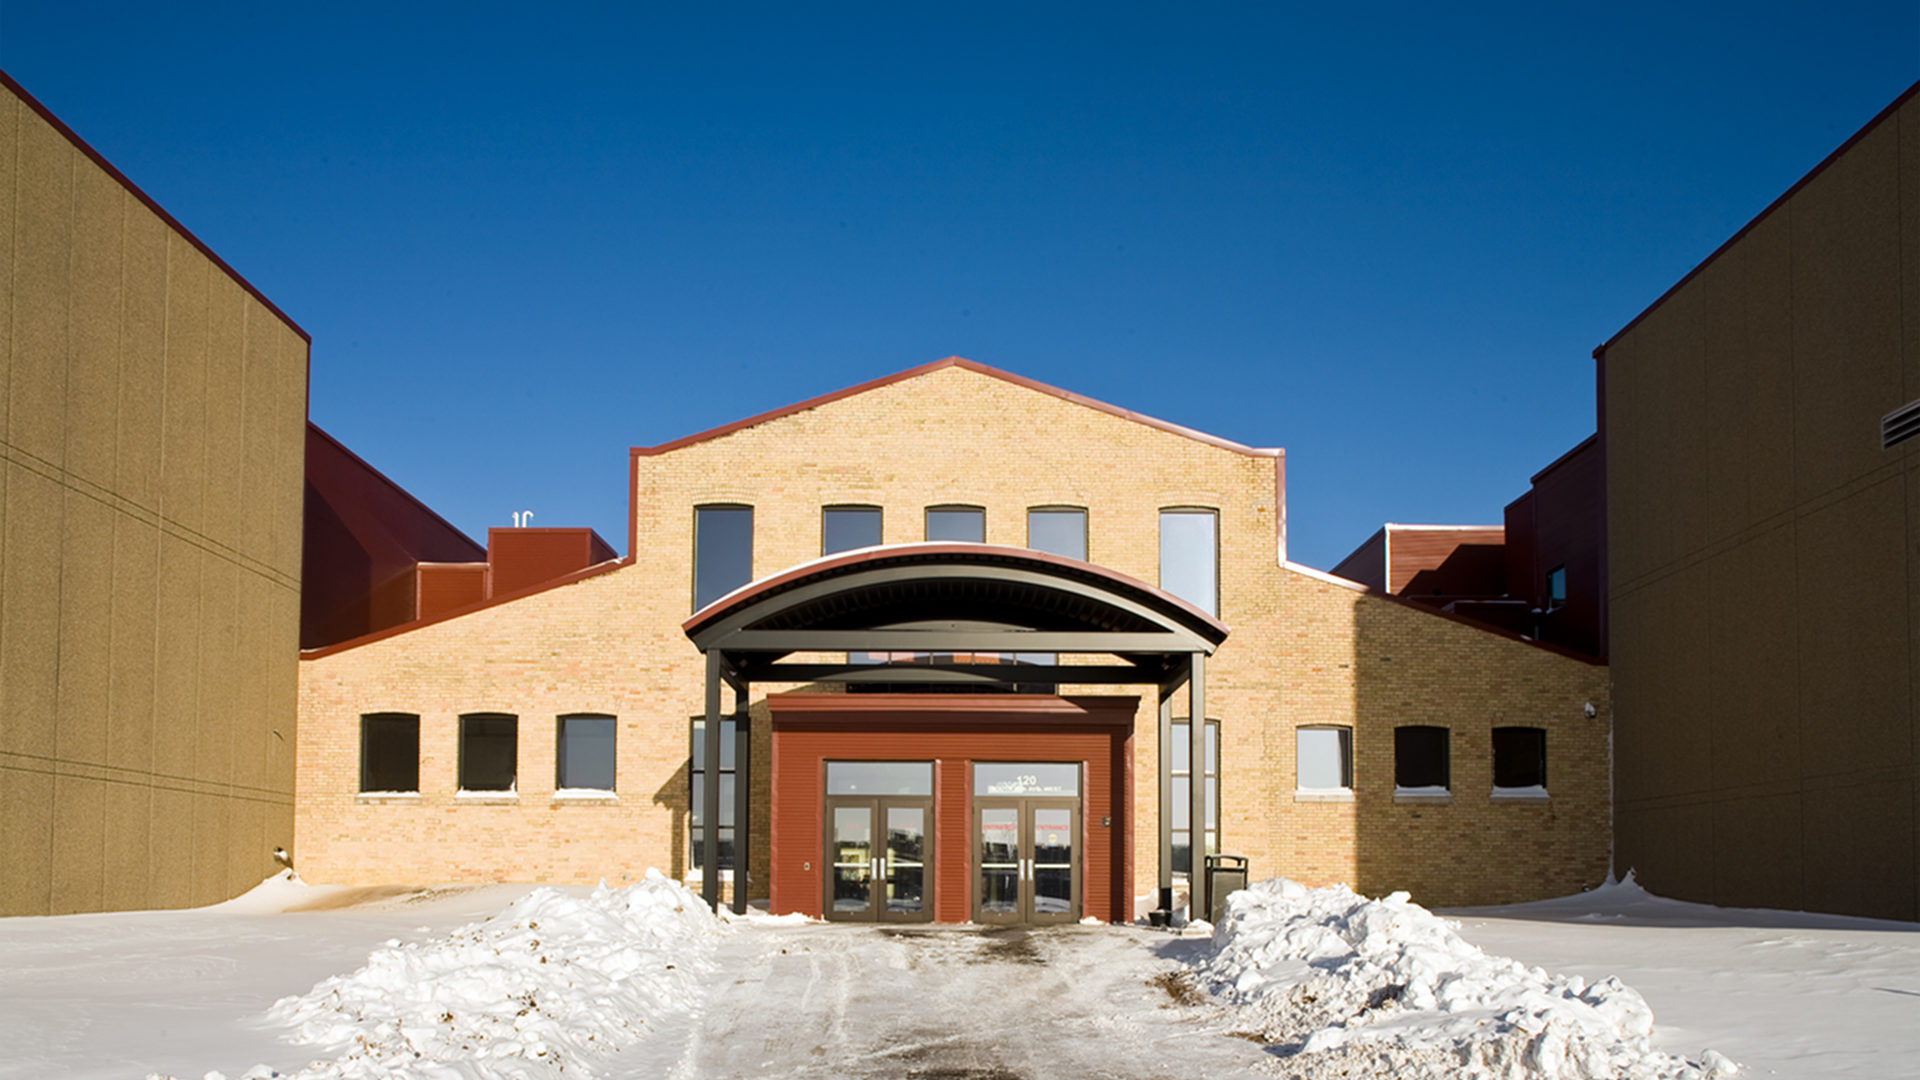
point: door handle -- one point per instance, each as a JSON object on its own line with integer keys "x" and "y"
{"x": 882, "y": 872}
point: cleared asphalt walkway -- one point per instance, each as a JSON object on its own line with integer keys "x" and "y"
{"x": 949, "y": 1004}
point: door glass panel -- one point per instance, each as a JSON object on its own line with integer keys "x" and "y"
{"x": 999, "y": 860}
{"x": 1052, "y": 861}
{"x": 1025, "y": 778}
{"x": 879, "y": 778}
{"x": 852, "y": 859}
{"x": 906, "y": 858}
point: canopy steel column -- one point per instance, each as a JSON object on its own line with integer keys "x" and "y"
{"x": 742, "y": 792}
{"x": 1199, "y": 904}
{"x": 1166, "y": 801}
{"x": 710, "y": 793}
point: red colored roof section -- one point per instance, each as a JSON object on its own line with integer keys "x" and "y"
{"x": 969, "y": 365}
{"x": 849, "y": 562}
{"x": 134, "y": 189}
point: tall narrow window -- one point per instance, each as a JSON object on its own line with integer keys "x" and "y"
{"x": 585, "y": 761}
{"x": 389, "y": 752}
{"x": 697, "y": 789}
{"x": 1520, "y": 760}
{"x": 722, "y": 551}
{"x": 1420, "y": 760}
{"x": 1323, "y": 764}
{"x": 962, "y": 524}
{"x": 843, "y": 528}
{"x": 1190, "y": 557}
{"x": 489, "y": 751}
{"x": 1183, "y": 802}
{"x": 1556, "y": 588}
{"x": 1058, "y": 530}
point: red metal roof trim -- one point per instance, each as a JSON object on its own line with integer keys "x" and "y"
{"x": 390, "y": 482}
{"x": 407, "y": 627}
{"x": 134, "y": 189}
{"x": 837, "y": 565}
{"x": 1410, "y": 605}
{"x": 969, "y": 365}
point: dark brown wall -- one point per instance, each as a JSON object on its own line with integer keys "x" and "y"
{"x": 363, "y": 536}
{"x": 1367, "y": 564}
{"x": 952, "y": 730}
{"x": 1562, "y": 522}
{"x": 1765, "y": 610}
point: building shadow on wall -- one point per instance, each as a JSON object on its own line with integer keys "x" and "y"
{"x": 674, "y": 795}
{"x": 1460, "y": 846}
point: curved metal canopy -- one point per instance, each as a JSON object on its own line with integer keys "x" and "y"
{"x": 954, "y": 598}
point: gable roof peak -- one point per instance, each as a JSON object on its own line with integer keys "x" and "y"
{"x": 953, "y": 362}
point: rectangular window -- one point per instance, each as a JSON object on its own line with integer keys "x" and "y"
{"x": 1420, "y": 760}
{"x": 586, "y": 753}
{"x": 1190, "y": 557}
{"x": 1058, "y": 530}
{"x": 489, "y": 751}
{"x": 1556, "y": 588}
{"x": 1324, "y": 759}
{"x": 957, "y": 524}
{"x": 879, "y": 778}
{"x": 390, "y": 752}
{"x": 722, "y": 551}
{"x": 843, "y": 528}
{"x": 1182, "y": 802}
{"x": 1520, "y": 760}
{"x": 696, "y": 771}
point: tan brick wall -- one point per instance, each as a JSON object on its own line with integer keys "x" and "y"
{"x": 152, "y": 416}
{"x": 613, "y": 644}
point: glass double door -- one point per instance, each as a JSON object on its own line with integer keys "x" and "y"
{"x": 1027, "y": 860}
{"x": 877, "y": 859}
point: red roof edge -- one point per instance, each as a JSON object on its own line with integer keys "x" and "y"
{"x": 134, "y": 189}
{"x": 1498, "y": 631}
{"x": 1761, "y": 216}
{"x": 395, "y": 631}
{"x": 389, "y": 481}
{"x": 959, "y": 362}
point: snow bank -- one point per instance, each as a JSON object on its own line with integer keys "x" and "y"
{"x": 543, "y": 989}
{"x": 1358, "y": 985}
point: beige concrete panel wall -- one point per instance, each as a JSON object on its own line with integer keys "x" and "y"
{"x": 42, "y": 250}
{"x": 79, "y": 843}
{"x": 86, "y": 630}
{"x": 183, "y": 447}
{"x": 93, "y": 361}
{"x": 30, "y": 619}
{"x": 26, "y": 805}
{"x": 133, "y": 674}
{"x": 1667, "y": 845}
{"x": 1847, "y": 321}
{"x": 225, "y": 402}
{"x": 9, "y": 193}
{"x": 1748, "y": 315}
{"x": 1635, "y": 527}
{"x": 143, "y": 358}
{"x": 113, "y": 321}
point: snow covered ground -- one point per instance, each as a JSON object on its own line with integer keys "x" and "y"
{"x": 508, "y": 980}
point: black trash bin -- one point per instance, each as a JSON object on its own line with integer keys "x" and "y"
{"x": 1225, "y": 874}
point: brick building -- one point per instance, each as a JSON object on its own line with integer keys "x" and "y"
{"x": 969, "y": 655}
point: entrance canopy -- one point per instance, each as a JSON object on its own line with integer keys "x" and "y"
{"x": 925, "y": 603}
{"x": 945, "y": 616}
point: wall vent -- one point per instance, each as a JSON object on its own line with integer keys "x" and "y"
{"x": 1900, "y": 425}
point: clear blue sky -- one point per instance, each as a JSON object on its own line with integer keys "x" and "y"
{"x": 524, "y": 239}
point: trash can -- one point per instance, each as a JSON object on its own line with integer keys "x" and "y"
{"x": 1225, "y": 874}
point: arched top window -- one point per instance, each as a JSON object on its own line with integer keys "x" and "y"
{"x": 1190, "y": 555}
{"x": 1420, "y": 764}
{"x": 1058, "y": 530}
{"x": 848, "y": 526}
{"x": 489, "y": 752}
{"x": 389, "y": 752}
{"x": 957, "y": 523}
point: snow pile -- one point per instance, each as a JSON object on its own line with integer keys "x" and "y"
{"x": 1357, "y": 985}
{"x": 542, "y": 989}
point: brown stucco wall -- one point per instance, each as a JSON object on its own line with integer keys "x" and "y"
{"x": 1764, "y": 603}
{"x": 151, "y": 415}
{"x": 1302, "y": 650}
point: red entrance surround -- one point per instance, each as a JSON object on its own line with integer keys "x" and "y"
{"x": 952, "y": 731}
